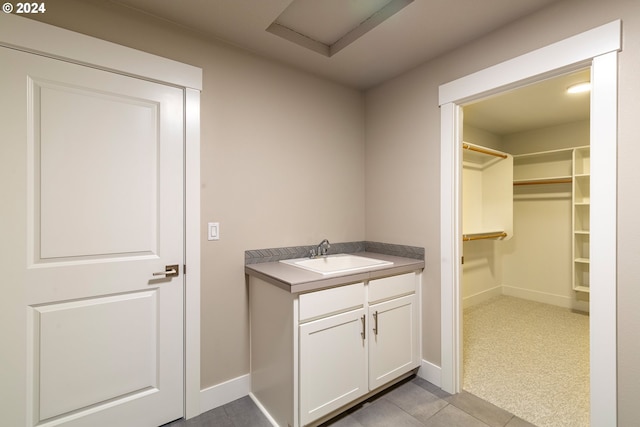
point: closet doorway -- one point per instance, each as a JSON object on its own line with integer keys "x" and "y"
{"x": 597, "y": 48}
{"x": 525, "y": 225}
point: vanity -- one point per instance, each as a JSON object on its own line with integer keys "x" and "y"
{"x": 326, "y": 335}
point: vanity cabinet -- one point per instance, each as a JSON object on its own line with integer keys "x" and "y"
{"x": 393, "y": 328}
{"x": 332, "y": 350}
{"x": 315, "y": 354}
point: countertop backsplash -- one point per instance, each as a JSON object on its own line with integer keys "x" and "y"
{"x": 256, "y": 256}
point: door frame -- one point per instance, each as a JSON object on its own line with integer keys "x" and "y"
{"x": 597, "y": 48}
{"x": 47, "y": 40}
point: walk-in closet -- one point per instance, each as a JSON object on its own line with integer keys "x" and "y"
{"x": 525, "y": 231}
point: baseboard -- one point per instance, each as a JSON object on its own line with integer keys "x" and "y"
{"x": 558, "y": 300}
{"x": 228, "y": 391}
{"x": 430, "y": 372}
{"x": 528, "y": 294}
{"x": 481, "y": 296}
{"x": 263, "y": 410}
{"x": 223, "y": 393}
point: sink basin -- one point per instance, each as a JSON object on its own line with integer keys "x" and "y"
{"x": 340, "y": 263}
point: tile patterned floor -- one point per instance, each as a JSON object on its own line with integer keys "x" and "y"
{"x": 412, "y": 403}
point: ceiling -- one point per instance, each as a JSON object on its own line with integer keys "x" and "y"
{"x": 418, "y": 32}
{"x": 535, "y": 106}
{"x": 362, "y": 43}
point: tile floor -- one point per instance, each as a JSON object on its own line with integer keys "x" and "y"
{"x": 412, "y": 403}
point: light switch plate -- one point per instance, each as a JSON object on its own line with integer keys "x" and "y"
{"x": 213, "y": 231}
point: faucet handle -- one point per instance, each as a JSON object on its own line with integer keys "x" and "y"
{"x": 312, "y": 253}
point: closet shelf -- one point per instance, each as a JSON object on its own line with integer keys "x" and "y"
{"x": 582, "y": 260}
{"x": 541, "y": 181}
{"x": 559, "y": 153}
{"x": 484, "y": 235}
{"x": 483, "y": 150}
{"x": 479, "y": 157}
{"x": 586, "y": 232}
{"x": 544, "y": 167}
{"x": 581, "y": 288}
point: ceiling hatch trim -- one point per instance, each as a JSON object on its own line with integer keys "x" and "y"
{"x": 279, "y": 28}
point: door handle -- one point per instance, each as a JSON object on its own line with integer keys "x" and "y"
{"x": 375, "y": 323}
{"x": 363, "y": 334}
{"x": 169, "y": 271}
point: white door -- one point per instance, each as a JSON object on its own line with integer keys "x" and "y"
{"x": 91, "y": 181}
{"x": 393, "y": 339}
{"x": 333, "y": 363}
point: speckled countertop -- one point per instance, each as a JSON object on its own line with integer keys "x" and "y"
{"x": 298, "y": 280}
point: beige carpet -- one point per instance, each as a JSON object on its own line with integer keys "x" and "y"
{"x": 530, "y": 359}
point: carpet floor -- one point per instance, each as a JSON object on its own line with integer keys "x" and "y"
{"x": 529, "y": 358}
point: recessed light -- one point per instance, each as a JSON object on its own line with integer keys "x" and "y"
{"x": 579, "y": 88}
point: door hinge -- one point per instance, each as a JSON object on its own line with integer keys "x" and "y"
{"x": 462, "y": 260}
{"x": 184, "y": 268}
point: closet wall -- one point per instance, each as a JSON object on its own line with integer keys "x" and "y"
{"x": 536, "y": 263}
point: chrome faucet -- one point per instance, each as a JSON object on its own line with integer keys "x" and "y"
{"x": 321, "y": 249}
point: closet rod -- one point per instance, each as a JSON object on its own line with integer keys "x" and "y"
{"x": 469, "y": 237}
{"x": 483, "y": 150}
{"x": 546, "y": 181}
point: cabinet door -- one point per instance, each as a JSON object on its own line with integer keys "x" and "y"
{"x": 333, "y": 363}
{"x": 393, "y": 339}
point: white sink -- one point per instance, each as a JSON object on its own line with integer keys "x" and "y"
{"x": 340, "y": 263}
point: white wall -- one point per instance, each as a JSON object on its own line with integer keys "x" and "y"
{"x": 566, "y": 135}
{"x": 482, "y": 137}
{"x": 481, "y": 272}
{"x": 536, "y": 263}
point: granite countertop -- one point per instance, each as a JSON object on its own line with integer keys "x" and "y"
{"x": 298, "y": 280}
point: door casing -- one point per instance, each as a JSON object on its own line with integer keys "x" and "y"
{"x": 596, "y": 48}
{"x": 47, "y": 40}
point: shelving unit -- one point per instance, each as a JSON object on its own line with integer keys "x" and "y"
{"x": 545, "y": 167}
{"x": 563, "y": 166}
{"x": 581, "y": 191}
{"x": 487, "y": 208}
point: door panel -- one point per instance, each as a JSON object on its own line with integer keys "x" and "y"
{"x": 110, "y": 341}
{"x": 77, "y": 188}
{"x": 97, "y": 163}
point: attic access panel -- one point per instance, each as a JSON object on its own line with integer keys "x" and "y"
{"x": 329, "y": 26}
